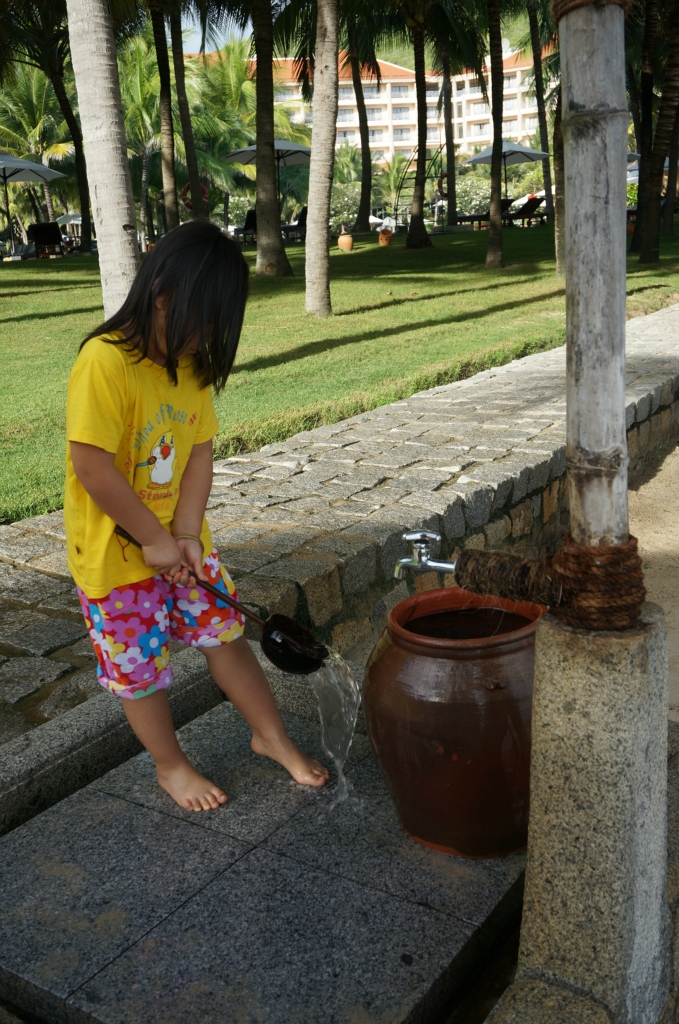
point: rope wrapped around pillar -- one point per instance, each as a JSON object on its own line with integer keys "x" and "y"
{"x": 599, "y": 588}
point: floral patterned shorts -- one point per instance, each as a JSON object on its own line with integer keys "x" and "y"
{"x": 131, "y": 627}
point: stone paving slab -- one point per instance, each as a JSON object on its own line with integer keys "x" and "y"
{"x": 40, "y": 766}
{"x": 120, "y": 908}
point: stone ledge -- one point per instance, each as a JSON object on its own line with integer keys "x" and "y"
{"x": 59, "y": 757}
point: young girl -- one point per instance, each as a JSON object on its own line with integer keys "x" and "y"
{"x": 140, "y": 423}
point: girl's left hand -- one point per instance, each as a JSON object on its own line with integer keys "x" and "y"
{"x": 192, "y": 564}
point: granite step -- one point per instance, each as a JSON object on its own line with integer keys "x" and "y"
{"x": 121, "y": 908}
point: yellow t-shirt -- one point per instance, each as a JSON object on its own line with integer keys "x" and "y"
{"x": 132, "y": 409}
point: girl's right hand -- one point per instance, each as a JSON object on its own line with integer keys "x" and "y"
{"x": 163, "y": 555}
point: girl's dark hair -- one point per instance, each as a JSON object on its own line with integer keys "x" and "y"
{"x": 204, "y": 274}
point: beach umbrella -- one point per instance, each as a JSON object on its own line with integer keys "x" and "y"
{"x": 512, "y": 153}
{"x": 13, "y": 168}
{"x": 287, "y": 155}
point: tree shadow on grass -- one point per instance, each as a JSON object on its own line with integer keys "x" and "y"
{"x": 48, "y": 316}
{"x": 45, "y": 288}
{"x": 313, "y": 348}
{"x": 421, "y": 296}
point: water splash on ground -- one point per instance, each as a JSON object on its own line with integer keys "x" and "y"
{"x": 338, "y": 698}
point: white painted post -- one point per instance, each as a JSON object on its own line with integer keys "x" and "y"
{"x": 594, "y": 125}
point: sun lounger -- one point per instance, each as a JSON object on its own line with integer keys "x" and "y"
{"x": 529, "y": 211}
{"x": 249, "y": 227}
{"x": 480, "y": 218}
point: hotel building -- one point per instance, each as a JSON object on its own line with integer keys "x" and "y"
{"x": 392, "y": 109}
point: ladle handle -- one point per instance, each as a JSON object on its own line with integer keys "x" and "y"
{"x": 215, "y": 591}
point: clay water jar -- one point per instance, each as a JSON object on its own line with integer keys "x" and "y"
{"x": 345, "y": 241}
{"x": 449, "y": 718}
{"x": 384, "y": 237}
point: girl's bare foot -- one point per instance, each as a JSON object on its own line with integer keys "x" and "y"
{"x": 304, "y": 770}
{"x": 189, "y": 789}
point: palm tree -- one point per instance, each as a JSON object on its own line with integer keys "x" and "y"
{"x": 93, "y": 53}
{"x": 36, "y": 33}
{"x": 536, "y": 46}
{"x": 494, "y": 252}
{"x": 414, "y": 14}
{"x": 157, "y": 11}
{"x": 671, "y": 190}
{"x": 31, "y": 124}
{"x": 322, "y": 158}
{"x": 458, "y": 42}
{"x": 645, "y": 139}
{"x": 447, "y": 98}
{"x": 271, "y": 255}
{"x": 140, "y": 88}
{"x": 559, "y": 191}
{"x": 667, "y": 116}
{"x": 197, "y": 204}
{"x": 360, "y": 28}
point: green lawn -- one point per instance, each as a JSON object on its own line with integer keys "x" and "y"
{"x": 402, "y": 321}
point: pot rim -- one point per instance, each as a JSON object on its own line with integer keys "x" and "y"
{"x": 430, "y": 601}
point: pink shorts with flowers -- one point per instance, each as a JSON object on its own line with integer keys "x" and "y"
{"x": 131, "y": 627}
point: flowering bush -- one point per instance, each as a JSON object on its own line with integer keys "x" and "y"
{"x": 473, "y": 194}
{"x": 238, "y": 207}
{"x": 344, "y": 202}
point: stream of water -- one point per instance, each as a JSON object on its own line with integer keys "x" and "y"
{"x": 338, "y": 698}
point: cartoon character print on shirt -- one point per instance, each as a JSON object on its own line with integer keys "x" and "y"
{"x": 161, "y": 460}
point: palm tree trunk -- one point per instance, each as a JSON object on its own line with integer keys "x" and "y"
{"x": 143, "y": 198}
{"x": 166, "y": 126}
{"x": 49, "y": 205}
{"x": 271, "y": 256}
{"x": 80, "y": 166}
{"x": 197, "y": 204}
{"x": 93, "y": 53}
{"x": 362, "y": 222}
{"x": 646, "y": 137}
{"x": 559, "y": 192}
{"x": 671, "y": 190}
{"x": 634, "y": 104}
{"x": 418, "y": 237}
{"x": 37, "y": 213}
{"x": 149, "y": 220}
{"x": 540, "y": 102}
{"x": 664, "y": 129}
{"x": 450, "y": 141}
{"x": 62, "y": 199}
{"x": 22, "y": 227}
{"x": 324, "y": 109}
{"x": 494, "y": 254}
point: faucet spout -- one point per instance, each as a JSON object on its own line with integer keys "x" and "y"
{"x": 420, "y": 559}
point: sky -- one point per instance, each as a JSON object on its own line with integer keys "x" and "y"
{"x": 192, "y": 37}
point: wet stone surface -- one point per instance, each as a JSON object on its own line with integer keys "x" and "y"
{"x": 277, "y": 907}
{"x": 20, "y": 677}
{"x": 29, "y": 632}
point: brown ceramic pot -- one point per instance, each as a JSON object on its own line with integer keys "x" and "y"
{"x": 384, "y": 237}
{"x": 449, "y": 720}
{"x": 345, "y": 241}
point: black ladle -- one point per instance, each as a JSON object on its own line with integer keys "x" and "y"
{"x": 288, "y": 645}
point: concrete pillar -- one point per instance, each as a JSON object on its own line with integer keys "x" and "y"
{"x": 596, "y": 924}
